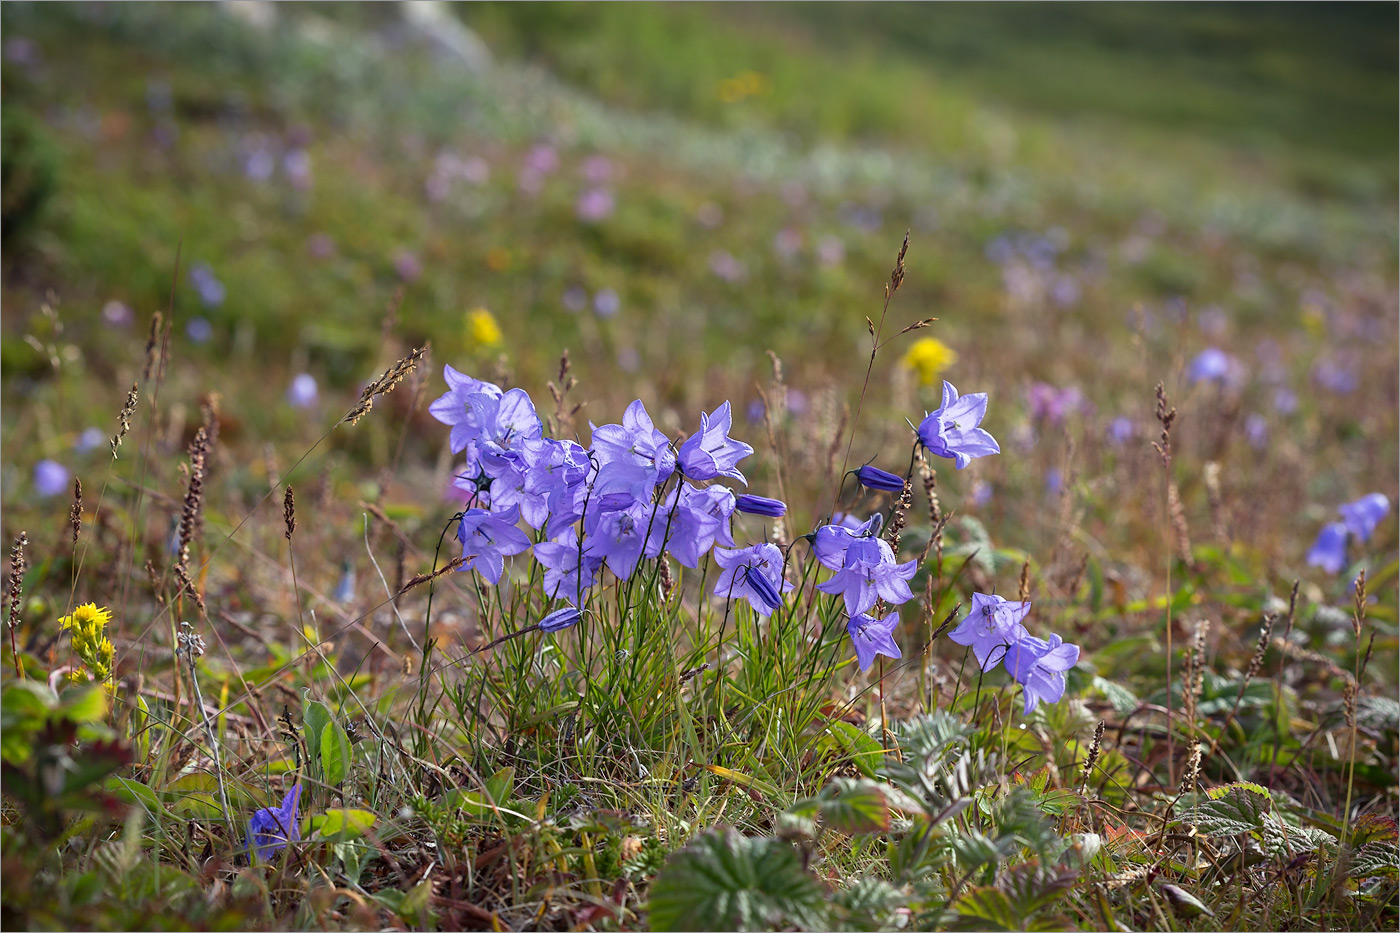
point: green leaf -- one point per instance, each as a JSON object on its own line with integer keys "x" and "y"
{"x": 500, "y": 786}
{"x": 342, "y": 824}
{"x": 1375, "y": 858}
{"x": 314, "y": 718}
{"x": 985, "y": 909}
{"x": 865, "y": 752}
{"x": 135, "y": 793}
{"x": 84, "y": 704}
{"x": 725, "y": 881}
{"x": 1228, "y": 810}
{"x": 1123, "y": 700}
{"x": 335, "y": 753}
{"x": 868, "y": 903}
{"x": 854, "y": 807}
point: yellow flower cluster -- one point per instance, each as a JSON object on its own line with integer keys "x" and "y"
{"x": 482, "y": 328}
{"x": 929, "y": 357}
{"x": 88, "y": 626}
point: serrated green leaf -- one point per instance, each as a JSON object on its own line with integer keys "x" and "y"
{"x": 1375, "y": 858}
{"x": 1123, "y": 700}
{"x": 335, "y": 753}
{"x": 867, "y": 903}
{"x": 725, "y": 881}
{"x": 854, "y": 807}
{"x": 985, "y": 908}
{"x": 1227, "y": 810}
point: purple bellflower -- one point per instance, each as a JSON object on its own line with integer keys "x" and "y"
{"x": 617, "y": 531}
{"x": 454, "y": 409}
{"x": 952, "y": 431}
{"x": 873, "y": 636}
{"x": 271, "y": 828}
{"x": 1039, "y": 667}
{"x": 690, "y": 521}
{"x": 754, "y": 573}
{"x": 875, "y": 478}
{"x": 633, "y": 457}
{"x": 829, "y": 542}
{"x": 567, "y": 572}
{"x": 1363, "y": 515}
{"x": 487, "y": 538}
{"x": 760, "y": 505}
{"x": 1329, "y": 551}
{"x": 870, "y": 573}
{"x": 712, "y": 452}
{"x": 991, "y": 624}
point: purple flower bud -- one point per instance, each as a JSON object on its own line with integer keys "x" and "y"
{"x": 759, "y": 505}
{"x": 560, "y": 619}
{"x": 302, "y": 392}
{"x": 761, "y": 585}
{"x": 876, "y": 478}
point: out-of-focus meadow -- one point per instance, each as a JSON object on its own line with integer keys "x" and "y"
{"x": 701, "y": 203}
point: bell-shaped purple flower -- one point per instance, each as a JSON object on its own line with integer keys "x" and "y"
{"x": 875, "y": 478}
{"x": 617, "y": 531}
{"x": 761, "y": 505}
{"x": 1363, "y": 515}
{"x": 454, "y": 407}
{"x": 952, "y": 431}
{"x": 993, "y": 623}
{"x": 271, "y": 828}
{"x": 569, "y": 570}
{"x": 633, "y": 457}
{"x": 712, "y": 452}
{"x": 870, "y": 573}
{"x": 754, "y": 573}
{"x": 1329, "y": 551}
{"x": 1039, "y": 667}
{"x": 489, "y": 537}
{"x": 690, "y": 521}
{"x": 830, "y": 542}
{"x": 873, "y": 636}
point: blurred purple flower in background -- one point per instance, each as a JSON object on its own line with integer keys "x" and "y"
{"x": 1120, "y": 430}
{"x": 406, "y": 266}
{"x": 90, "y": 439}
{"x": 50, "y": 478}
{"x": 787, "y": 243}
{"x": 575, "y": 299}
{"x": 1285, "y": 401}
{"x": 594, "y": 205}
{"x": 199, "y": 330}
{"x": 117, "y": 314}
{"x": 1336, "y": 374}
{"x": 725, "y": 266}
{"x": 1052, "y": 404}
{"x": 1329, "y": 551}
{"x": 1256, "y": 431}
{"x": 831, "y": 251}
{"x": 302, "y": 392}
{"x": 297, "y": 165}
{"x": 320, "y": 246}
{"x": 1210, "y": 365}
{"x": 709, "y": 214}
{"x": 211, "y": 290}
{"x": 1363, "y": 515}
{"x": 606, "y": 303}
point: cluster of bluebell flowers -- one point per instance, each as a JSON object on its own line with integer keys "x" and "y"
{"x": 993, "y": 630}
{"x": 1359, "y": 520}
{"x": 614, "y": 504}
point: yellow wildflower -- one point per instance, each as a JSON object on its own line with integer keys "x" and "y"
{"x": 87, "y": 625}
{"x": 482, "y": 328}
{"x": 928, "y": 357}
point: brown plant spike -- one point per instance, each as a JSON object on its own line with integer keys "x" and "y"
{"x": 289, "y": 513}
{"x": 124, "y": 420}
{"x": 75, "y": 513}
